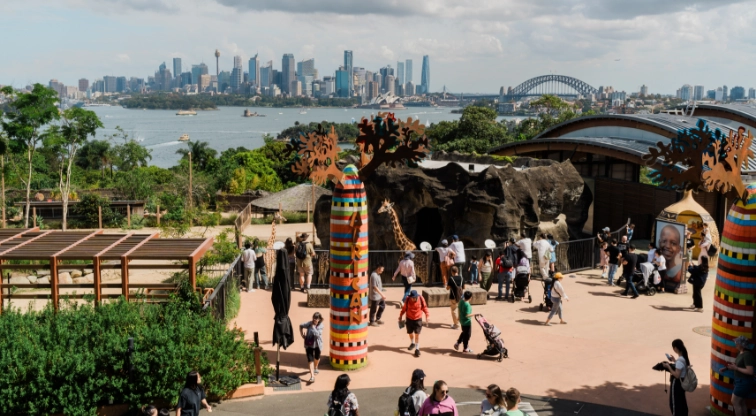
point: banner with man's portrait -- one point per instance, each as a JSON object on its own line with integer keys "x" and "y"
{"x": 670, "y": 242}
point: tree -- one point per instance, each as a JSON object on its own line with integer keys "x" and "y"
{"x": 24, "y": 123}
{"x": 202, "y": 154}
{"x": 96, "y": 154}
{"x": 130, "y": 154}
{"x": 551, "y": 102}
{"x": 78, "y": 124}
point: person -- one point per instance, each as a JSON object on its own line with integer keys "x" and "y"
{"x": 622, "y": 245}
{"x": 443, "y": 253}
{"x": 192, "y": 396}
{"x": 689, "y": 245}
{"x": 504, "y": 268}
{"x": 494, "y": 403}
{"x": 743, "y": 371}
{"x": 342, "y": 398}
{"x": 698, "y": 275}
{"x": 415, "y": 392}
{"x": 678, "y": 404}
{"x": 150, "y": 411}
{"x": 651, "y": 251}
{"x": 406, "y": 270}
{"x": 526, "y": 245}
{"x": 602, "y": 239}
{"x": 472, "y": 270}
{"x": 312, "y": 332}
{"x": 261, "y": 274}
{"x": 557, "y": 297}
{"x": 304, "y": 255}
{"x": 512, "y": 399}
{"x": 660, "y": 262}
{"x": 630, "y": 230}
{"x": 543, "y": 250}
{"x": 486, "y": 268}
{"x": 377, "y": 297}
{"x": 670, "y": 245}
{"x": 465, "y": 320}
{"x": 553, "y": 259}
{"x": 248, "y": 258}
{"x": 455, "y": 287}
{"x": 705, "y": 243}
{"x": 439, "y": 402}
{"x": 613, "y": 254}
{"x": 290, "y": 249}
{"x": 414, "y": 308}
{"x": 629, "y": 260}
{"x": 510, "y": 250}
{"x": 523, "y": 266}
{"x": 459, "y": 254}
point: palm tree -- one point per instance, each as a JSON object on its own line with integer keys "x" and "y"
{"x": 201, "y": 152}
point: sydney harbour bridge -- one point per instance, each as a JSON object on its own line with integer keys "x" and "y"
{"x": 559, "y": 85}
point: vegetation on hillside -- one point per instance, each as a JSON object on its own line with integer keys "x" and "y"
{"x": 347, "y": 132}
{"x": 175, "y": 101}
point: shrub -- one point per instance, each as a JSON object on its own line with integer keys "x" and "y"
{"x": 76, "y": 359}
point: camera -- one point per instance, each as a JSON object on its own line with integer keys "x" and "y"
{"x": 659, "y": 367}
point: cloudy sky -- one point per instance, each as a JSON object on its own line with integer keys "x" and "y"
{"x": 474, "y": 45}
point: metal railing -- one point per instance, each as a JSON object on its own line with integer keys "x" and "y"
{"x": 217, "y": 301}
{"x": 242, "y": 221}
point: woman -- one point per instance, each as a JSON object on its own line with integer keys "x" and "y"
{"x": 494, "y": 404}
{"x": 439, "y": 402}
{"x": 698, "y": 275}
{"x": 343, "y": 398}
{"x": 602, "y": 239}
{"x": 705, "y": 243}
{"x": 406, "y": 269}
{"x": 290, "y": 249}
{"x": 554, "y": 244}
{"x": 557, "y": 297}
{"x": 192, "y": 396}
{"x": 513, "y": 401}
{"x": 443, "y": 253}
{"x": 312, "y": 332}
{"x": 486, "y": 268}
{"x": 677, "y": 401}
{"x": 416, "y": 390}
{"x": 743, "y": 369}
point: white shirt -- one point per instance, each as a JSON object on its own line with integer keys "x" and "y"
{"x": 248, "y": 257}
{"x": 558, "y": 291}
{"x": 406, "y": 268}
{"x": 459, "y": 250}
{"x": 526, "y": 245}
{"x": 442, "y": 251}
{"x": 542, "y": 247}
{"x": 680, "y": 365}
{"x": 651, "y": 254}
{"x": 661, "y": 262}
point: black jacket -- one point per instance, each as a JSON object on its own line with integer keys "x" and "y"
{"x": 697, "y": 275}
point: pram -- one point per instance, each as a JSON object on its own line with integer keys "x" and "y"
{"x": 548, "y": 283}
{"x": 640, "y": 283}
{"x": 495, "y": 346}
{"x": 521, "y": 285}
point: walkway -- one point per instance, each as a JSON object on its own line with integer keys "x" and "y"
{"x": 604, "y": 355}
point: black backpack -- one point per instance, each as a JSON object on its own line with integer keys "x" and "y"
{"x": 406, "y": 405}
{"x": 301, "y": 252}
{"x": 335, "y": 409}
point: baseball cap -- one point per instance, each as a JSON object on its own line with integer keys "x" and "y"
{"x": 413, "y": 293}
{"x": 418, "y": 375}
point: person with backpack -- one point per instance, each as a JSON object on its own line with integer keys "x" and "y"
{"x": 414, "y": 396}
{"x": 261, "y": 274}
{"x": 439, "y": 403}
{"x": 248, "y": 258}
{"x": 304, "y": 254}
{"x": 458, "y": 248}
{"x": 312, "y": 332}
{"x": 678, "y": 404}
{"x": 455, "y": 287}
{"x": 415, "y": 307}
{"x": 504, "y": 268}
{"x": 341, "y": 401}
{"x": 406, "y": 269}
{"x": 743, "y": 371}
{"x": 494, "y": 403}
{"x": 192, "y": 396}
{"x": 698, "y": 276}
{"x": 465, "y": 315}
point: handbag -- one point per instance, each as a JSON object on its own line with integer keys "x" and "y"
{"x": 712, "y": 251}
{"x": 410, "y": 279}
{"x": 449, "y": 260}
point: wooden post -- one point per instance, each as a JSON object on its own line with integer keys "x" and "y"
{"x": 97, "y": 280}
{"x": 1, "y": 289}
{"x": 99, "y": 216}
{"x": 2, "y": 166}
{"x": 308, "y": 212}
{"x": 158, "y": 215}
{"x": 125, "y": 277}
{"x": 54, "y": 281}
{"x": 34, "y": 215}
{"x": 128, "y": 215}
{"x": 193, "y": 274}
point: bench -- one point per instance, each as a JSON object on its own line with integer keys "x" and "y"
{"x": 319, "y": 298}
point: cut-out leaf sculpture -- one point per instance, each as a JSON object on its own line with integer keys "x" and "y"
{"x": 723, "y": 162}
{"x": 317, "y": 154}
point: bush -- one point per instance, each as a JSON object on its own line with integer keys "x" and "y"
{"x": 76, "y": 359}
{"x": 87, "y": 210}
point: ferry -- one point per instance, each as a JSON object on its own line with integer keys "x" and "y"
{"x": 184, "y": 138}
{"x": 248, "y": 113}
{"x": 303, "y": 110}
{"x": 186, "y": 113}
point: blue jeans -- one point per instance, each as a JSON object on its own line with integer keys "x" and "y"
{"x": 630, "y": 285}
{"x": 612, "y": 270}
{"x": 407, "y": 289}
{"x": 261, "y": 276}
{"x": 504, "y": 278}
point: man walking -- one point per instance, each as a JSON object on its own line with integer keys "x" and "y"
{"x": 543, "y": 251}
{"x": 629, "y": 261}
{"x": 622, "y": 246}
{"x": 455, "y": 287}
{"x": 465, "y": 318}
{"x": 504, "y": 268}
{"x": 304, "y": 254}
{"x": 614, "y": 253}
{"x": 415, "y": 307}
{"x": 458, "y": 248}
{"x": 377, "y": 298}
{"x": 248, "y": 258}
{"x": 261, "y": 274}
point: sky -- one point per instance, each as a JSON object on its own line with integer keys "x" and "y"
{"x": 474, "y": 45}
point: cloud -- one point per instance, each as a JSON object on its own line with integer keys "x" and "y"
{"x": 122, "y": 57}
{"x": 387, "y": 53}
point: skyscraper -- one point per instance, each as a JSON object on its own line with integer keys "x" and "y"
{"x": 425, "y": 75}
{"x": 751, "y": 93}
{"x": 348, "y": 65}
{"x": 197, "y": 71}
{"x": 698, "y": 92}
{"x": 307, "y": 68}
{"x": 408, "y": 71}
{"x": 343, "y": 82}
{"x": 288, "y": 67}
{"x": 725, "y": 94}
{"x": 737, "y": 93}
{"x": 110, "y": 81}
{"x": 400, "y": 72}
{"x": 643, "y": 91}
{"x": 686, "y": 92}
{"x": 254, "y": 71}
{"x": 176, "y": 67}
{"x": 121, "y": 84}
{"x": 83, "y": 84}
{"x": 266, "y": 75}
{"x": 237, "y": 73}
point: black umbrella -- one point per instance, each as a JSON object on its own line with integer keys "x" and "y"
{"x": 283, "y": 334}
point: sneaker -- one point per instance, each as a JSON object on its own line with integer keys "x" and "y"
{"x": 455, "y": 326}
{"x": 312, "y": 380}
{"x": 693, "y": 306}
{"x": 411, "y": 347}
{"x": 603, "y": 275}
{"x": 317, "y": 371}
{"x": 456, "y": 346}
{"x": 698, "y": 310}
{"x": 373, "y": 324}
{"x": 635, "y": 296}
{"x": 623, "y": 294}
{"x": 469, "y": 351}
{"x": 417, "y": 353}
{"x": 379, "y": 322}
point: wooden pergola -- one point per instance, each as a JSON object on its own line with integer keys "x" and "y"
{"x": 98, "y": 251}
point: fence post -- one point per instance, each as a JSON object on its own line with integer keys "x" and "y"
{"x": 158, "y": 215}
{"x": 99, "y": 216}
{"x": 34, "y": 214}
{"x": 128, "y": 214}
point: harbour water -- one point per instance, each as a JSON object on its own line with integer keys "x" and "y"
{"x": 159, "y": 130}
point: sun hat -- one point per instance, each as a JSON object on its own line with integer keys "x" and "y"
{"x": 606, "y": 229}
{"x": 304, "y": 236}
{"x": 558, "y": 275}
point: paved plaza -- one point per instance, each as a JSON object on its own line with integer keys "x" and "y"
{"x": 603, "y": 356}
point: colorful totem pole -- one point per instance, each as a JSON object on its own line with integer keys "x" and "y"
{"x": 382, "y": 140}
{"x": 714, "y": 162}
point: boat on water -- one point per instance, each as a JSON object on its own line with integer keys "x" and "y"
{"x": 248, "y": 113}
{"x": 96, "y": 105}
{"x": 184, "y": 138}
{"x": 186, "y": 113}
{"x": 303, "y": 110}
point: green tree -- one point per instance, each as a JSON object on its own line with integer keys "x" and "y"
{"x": 24, "y": 124}
{"x": 551, "y": 102}
{"x": 129, "y": 154}
{"x": 96, "y": 155}
{"x": 202, "y": 154}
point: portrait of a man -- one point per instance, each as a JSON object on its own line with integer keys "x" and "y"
{"x": 669, "y": 241}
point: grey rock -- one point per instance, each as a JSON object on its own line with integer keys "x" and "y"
{"x": 65, "y": 278}
{"x": 76, "y": 273}
{"x": 43, "y": 272}
{"x": 43, "y": 281}
{"x": 32, "y": 279}
{"x": 18, "y": 280}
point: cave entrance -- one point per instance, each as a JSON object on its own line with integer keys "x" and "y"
{"x": 430, "y": 227}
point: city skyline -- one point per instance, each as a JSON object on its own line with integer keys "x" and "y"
{"x": 601, "y": 43}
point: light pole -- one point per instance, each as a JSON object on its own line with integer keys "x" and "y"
{"x": 190, "y": 180}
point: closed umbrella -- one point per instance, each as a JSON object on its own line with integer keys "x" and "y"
{"x": 283, "y": 334}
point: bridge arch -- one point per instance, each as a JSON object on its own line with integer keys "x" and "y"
{"x": 552, "y": 84}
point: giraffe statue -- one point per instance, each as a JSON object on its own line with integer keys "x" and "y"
{"x": 404, "y": 243}
{"x": 270, "y": 254}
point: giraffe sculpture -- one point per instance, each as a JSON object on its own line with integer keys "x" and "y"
{"x": 270, "y": 254}
{"x": 404, "y": 243}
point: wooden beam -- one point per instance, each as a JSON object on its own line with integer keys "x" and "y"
{"x": 54, "y": 289}
{"x": 125, "y": 264}
{"x": 199, "y": 251}
{"x": 25, "y": 243}
{"x": 97, "y": 270}
{"x": 28, "y": 230}
{"x": 81, "y": 240}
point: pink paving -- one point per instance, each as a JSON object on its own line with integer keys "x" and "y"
{"x": 603, "y": 355}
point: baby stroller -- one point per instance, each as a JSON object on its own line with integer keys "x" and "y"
{"x": 495, "y": 346}
{"x": 548, "y": 283}
{"x": 640, "y": 284}
{"x": 521, "y": 285}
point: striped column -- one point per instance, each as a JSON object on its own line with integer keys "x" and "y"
{"x": 349, "y": 273}
{"x": 734, "y": 299}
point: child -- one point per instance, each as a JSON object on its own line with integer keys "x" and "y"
{"x": 473, "y": 270}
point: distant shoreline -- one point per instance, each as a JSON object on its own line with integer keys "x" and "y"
{"x": 237, "y": 106}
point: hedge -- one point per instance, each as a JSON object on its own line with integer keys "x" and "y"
{"x": 76, "y": 359}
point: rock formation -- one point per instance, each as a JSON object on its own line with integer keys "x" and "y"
{"x": 496, "y": 203}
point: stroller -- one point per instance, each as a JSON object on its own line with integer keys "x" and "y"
{"x": 495, "y": 346}
{"x": 521, "y": 285}
{"x": 548, "y": 283}
{"x": 654, "y": 284}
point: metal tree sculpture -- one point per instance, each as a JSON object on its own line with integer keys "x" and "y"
{"x": 318, "y": 153}
{"x": 722, "y": 165}
{"x": 388, "y": 140}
